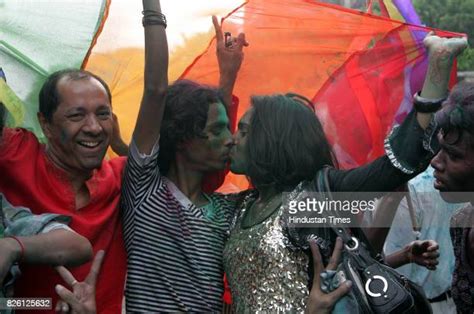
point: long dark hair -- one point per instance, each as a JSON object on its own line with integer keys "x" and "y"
{"x": 286, "y": 143}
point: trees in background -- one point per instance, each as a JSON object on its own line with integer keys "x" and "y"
{"x": 451, "y": 15}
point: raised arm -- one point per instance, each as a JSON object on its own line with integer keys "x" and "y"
{"x": 406, "y": 148}
{"x": 229, "y": 57}
{"x": 147, "y": 129}
{"x": 441, "y": 54}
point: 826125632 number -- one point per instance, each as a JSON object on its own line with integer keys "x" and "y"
{"x": 26, "y": 304}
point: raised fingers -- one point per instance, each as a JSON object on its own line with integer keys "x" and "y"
{"x": 95, "y": 268}
{"x": 218, "y": 30}
{"x": 336, "y": 255}
{"x": 317, "y": 263}
{"x": 66, "y": 275}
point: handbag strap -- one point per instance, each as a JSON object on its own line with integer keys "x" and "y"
{"x": 411, "y": 211}
{"x": 347, "y": 235}
{"x": 323, "y": 187}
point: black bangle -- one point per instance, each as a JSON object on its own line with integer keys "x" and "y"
{"x": 151, "y": 17}
{"x": 425, "y": 105}
{"x": 147, "y": 22}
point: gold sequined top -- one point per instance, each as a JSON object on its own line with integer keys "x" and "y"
{"x": 266, "y": 272}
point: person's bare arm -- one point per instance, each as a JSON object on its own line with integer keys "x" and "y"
{"x": 57, "y": 247}
{"x": 441, "y": 55}
{"x": 147, "y": 129}
{"x": 424, "y": 253}
{"x": 116, "y": 143}
{"x": 386, "y": 209}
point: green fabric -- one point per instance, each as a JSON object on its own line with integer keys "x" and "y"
{"x": 40, "y": 37}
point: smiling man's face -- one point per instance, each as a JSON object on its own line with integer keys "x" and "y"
{"x": 80, "y": 129}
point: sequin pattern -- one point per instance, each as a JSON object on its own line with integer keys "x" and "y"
{"x": 265, "y": 272}
{"x": 463, "y": 277}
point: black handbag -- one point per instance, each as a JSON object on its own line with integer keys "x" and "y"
{"x": 377, "y": 288}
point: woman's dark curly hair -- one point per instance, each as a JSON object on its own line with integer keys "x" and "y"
{"x": 184, "y": 118}
{"x": 457, "y": 115}
{"x": 286, "y": 142}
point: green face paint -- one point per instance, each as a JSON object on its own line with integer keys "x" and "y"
{"x": 209, "y": 151}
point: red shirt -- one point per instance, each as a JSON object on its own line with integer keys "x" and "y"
{"x": 28, "y": 178}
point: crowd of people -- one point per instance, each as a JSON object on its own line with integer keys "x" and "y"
{"x": 163, "y": 238}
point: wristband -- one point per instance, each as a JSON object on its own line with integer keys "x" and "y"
{"x": 151, "y": 17}
{"x": 425, "y": 105}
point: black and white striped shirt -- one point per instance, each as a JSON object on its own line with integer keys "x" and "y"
{"x": 174, "y": 248}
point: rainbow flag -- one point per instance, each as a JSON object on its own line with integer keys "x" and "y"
{"x": 360, "y": 69}
{"x": 103, "y": 36}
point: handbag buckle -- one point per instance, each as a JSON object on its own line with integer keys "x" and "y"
{"x": 354, "y": 247}
{"x": 375, "y": 294}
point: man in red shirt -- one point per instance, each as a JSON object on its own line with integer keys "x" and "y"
{"x": 69, "y": 176}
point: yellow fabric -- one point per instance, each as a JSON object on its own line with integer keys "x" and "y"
{"x": 118, "y": 55}
{"x": 14, "y": 105}
{"x": 393, "y": 11}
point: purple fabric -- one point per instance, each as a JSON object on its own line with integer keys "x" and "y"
{"x": 406, "y": 9}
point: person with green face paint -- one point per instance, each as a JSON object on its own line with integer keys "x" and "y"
{"x": 174, "y": 231}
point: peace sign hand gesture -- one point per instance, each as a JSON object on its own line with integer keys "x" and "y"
{"x": 82, "y": 298}
{"x": 229, "y": 50}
